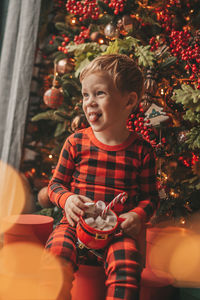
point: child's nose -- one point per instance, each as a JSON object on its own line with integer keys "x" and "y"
{"x": 92, "y": 102}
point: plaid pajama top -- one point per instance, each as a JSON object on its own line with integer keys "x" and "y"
{"x": 100, "y": 172}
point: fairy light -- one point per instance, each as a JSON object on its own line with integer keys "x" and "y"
{"x": 50, "y": 156}
{"x": 101, "y": 41}
{"x": 174, "y": 194}
{"x": 73, "y": 21}
{"x": 182, "y": 221}
{"x": 164, "y": 176}
{"x": 162, "y": 92}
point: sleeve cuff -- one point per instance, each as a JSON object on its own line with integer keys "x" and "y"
{"x": 63, "y": 199}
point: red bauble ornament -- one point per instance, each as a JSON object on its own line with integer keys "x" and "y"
{"x": 53, "y": 97}
{"x": 43, "y": 198}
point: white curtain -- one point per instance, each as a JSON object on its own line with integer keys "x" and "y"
{"x": 16, "y": 65}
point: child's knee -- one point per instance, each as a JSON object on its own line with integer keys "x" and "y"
{"x": 123, "y": 262}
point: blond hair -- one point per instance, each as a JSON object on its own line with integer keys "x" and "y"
{"x": 127, "y": 76}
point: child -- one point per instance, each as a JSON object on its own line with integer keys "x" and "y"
{"x": 101, "y": 161}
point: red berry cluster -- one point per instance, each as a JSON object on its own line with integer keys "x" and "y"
{"x": 180, "y": 40}
{"x": 52, "y": 40}
{"x": 182, "y": 47}
{"x": 84, "y": 9}
{"x": 116, "y": 5}
{"x": 165, "y": 17}
{"x": 138, "y": 124}
{"x": 83, "y": 35}
{"x": 188, "y": 162}
{"x": 64, "y": 43}
{"x": 154, "y": 43}
{"x": 182, "y": 44}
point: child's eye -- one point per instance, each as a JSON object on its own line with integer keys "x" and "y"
{"x": 100, "y": 93}
{"x": 85, "y": 95}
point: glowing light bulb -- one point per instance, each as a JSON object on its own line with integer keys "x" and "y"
{"x": 101, "y": 41}
{"x": 182, "y": 221}
{"x": 73, "y": 21}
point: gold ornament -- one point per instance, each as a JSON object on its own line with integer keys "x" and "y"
{"x": 65, "y": 65}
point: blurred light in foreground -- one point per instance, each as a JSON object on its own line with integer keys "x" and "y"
{"x": 12, "y": 193}
{"x": 176, "y": 251}
{"x": 184, "y": 263}
{"x": 22, "y": 275}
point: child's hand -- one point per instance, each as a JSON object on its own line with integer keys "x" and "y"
{"x": 74, "y": 208}
{"x": 132, "y": 225}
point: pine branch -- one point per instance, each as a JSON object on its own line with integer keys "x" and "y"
{"x": 47, "y": 115}
{"x": 188, "y": 96}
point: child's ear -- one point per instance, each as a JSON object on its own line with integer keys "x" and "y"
{"x": 132, "y": 100}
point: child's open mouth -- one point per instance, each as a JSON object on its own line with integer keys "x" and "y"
{"x": 94, "y": 117}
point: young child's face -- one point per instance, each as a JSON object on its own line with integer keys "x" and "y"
{"x": 103, "y": 104}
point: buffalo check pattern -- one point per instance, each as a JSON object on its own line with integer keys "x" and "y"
{"x": 101, "y": 172}
{"x": 122, "y": 261}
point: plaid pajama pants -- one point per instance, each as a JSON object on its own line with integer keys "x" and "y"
{"x": 122, "y": 261}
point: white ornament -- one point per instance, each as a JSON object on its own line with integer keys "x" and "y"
{"x": 155, "y": 115}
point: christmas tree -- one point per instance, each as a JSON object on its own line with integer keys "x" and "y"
{"x": 163, "y": 37}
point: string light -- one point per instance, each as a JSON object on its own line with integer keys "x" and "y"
{"x": 73, "y": 21}
{"x": 162, "y": 91}
{"x": 101, "y": 41}
{"x": 50, "y": 156}
{"x": 174, "y": 194}
{"x": 182, "y": 221}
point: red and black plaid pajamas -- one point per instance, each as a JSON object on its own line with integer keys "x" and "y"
{"x": 100, "y": 172}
